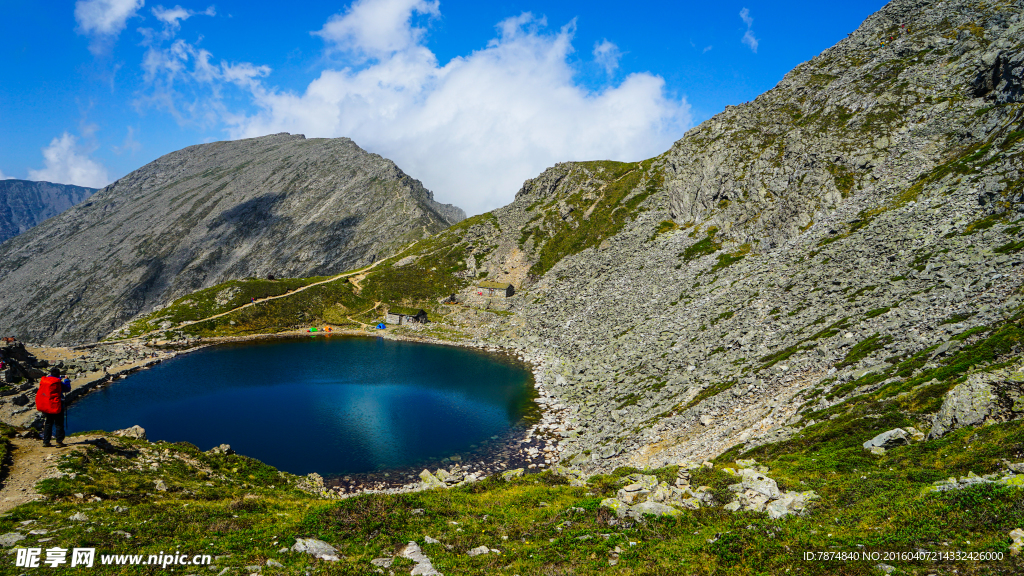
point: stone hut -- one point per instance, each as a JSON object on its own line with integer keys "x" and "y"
{"x": 400, "y": 316}
{"x": 495, "y": 289}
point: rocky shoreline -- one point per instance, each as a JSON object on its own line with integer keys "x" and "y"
{"x": 532, "y": 447}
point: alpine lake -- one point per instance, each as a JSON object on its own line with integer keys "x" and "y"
{"x": 341, "y": 406}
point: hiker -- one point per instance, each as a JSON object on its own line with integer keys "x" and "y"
{"x": 50, "y": 401}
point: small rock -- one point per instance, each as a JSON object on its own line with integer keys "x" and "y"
{"x": 274, "y": 564}
{"x": 382, "y": 562}
{"x": 11, "y": 538}
{"x": 137, "y": 432}
{"x": 160, "y": 486}
{"x": 316, "y": 548}
{"x": 79, "y": 517}
{"x": 430, "y": 540}
{"x": 886, "y": 568}
{"x": 1017, "y": 535}
{"x": 510, "y": 474}
{"x": 430, "y": 481}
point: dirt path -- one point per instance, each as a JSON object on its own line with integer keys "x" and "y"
{"x": 361, "y": 272}
{"x": 361, "y": 324}
{"x": 32, "y": 463}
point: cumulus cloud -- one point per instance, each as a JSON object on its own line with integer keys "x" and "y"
{"x": 607, "y": 55}
{"x": 4, "y": 176}
{"x": 65, "y": 162}
{"x": 104, "y": 19}
{"x": 474, "y": 128}
{"x": 378, "y": 28}
{"x": 748, "y": 37}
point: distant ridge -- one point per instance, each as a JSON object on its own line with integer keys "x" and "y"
{"x": 280, "y": 204}
{"x": 26, "y": 203}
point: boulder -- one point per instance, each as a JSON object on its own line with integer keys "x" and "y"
{"x": 758, "y": 482}
{"x": 576, "y": 477}
{"x": 430, "y": 481}
{"x": 794, "y": 503}
{"x": 889, "y": 439}
{"x": 137, "y": 432}
{"x": 11, "y": 538}
{"x": 984, "y": 397}
{"x": 316, "y": 548}
{"x": 222, "y": 449}
{"x": 423, "y": 565}
{"x": 652, "y": 508}
{"x": 1017, "y": 535}
{"x": 620, "y": 508}
{"x": 510, "y": 474}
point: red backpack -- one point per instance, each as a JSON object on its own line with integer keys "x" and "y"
{"x": 48, "y": 397}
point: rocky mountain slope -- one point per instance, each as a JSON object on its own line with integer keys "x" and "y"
{"x": 277, "y": 205}
{"x": 24, "y": 203}
{"x": 852, "y": 233}
{"x": 849, "y": 239}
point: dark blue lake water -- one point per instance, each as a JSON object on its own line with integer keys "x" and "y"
{"x": 333, "y": 405}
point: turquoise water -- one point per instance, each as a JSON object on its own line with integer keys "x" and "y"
{"x": 333, "y": 405}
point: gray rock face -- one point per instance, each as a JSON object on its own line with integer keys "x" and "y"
{"x": 24, "y": 203}
{"x": 889, "y": 439}
{"x": 280, "y": 205}
{"x": 996, "y": 397}
{"x": 782, "y": 251}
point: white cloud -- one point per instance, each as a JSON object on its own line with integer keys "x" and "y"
{"x": 745, "y": 16}
{"x": 130, "y": 144}
{"x": 748, "y": 37}
{"x": 173, "y": 17}
{"x": 183, "y": 80}
{"x": 706, "y": 49}
{"x": 4, "y": 176}
{"x": 104, "y": 19}
{"x": 67, "y": 163}
{"x": 607, "y": 55}
{"x": 472, "y": 129}
{"x": 378, "y": 28}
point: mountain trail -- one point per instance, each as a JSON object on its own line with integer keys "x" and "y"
{"x": 32, "y": 462}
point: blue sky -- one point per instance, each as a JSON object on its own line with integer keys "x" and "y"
{"x": 470, "y": 97}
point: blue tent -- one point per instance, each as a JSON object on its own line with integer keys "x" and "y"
{"x": 381, "y": 326}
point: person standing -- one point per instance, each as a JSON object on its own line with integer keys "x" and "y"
{"x": 50, "y": 401}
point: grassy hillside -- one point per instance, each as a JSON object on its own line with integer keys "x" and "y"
{"x": 245, "y": 513}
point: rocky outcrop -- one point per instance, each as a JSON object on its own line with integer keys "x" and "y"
{"x": 279, "y": 205}
{"x": 24, "y": 203}
{"x": 784, "y": 255}
{"x": 983, "y": 398}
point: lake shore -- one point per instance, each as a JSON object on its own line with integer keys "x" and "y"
{"x": 530, "y": 445}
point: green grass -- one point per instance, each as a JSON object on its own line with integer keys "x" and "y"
{"x": 664, "y": 227}
{"x": 863, "y": 349}
{"x": 626, "y": 186}
{"x": 216, "y": 300}
{"x": 243, "y": 511}
{"x": 703, "y": 247}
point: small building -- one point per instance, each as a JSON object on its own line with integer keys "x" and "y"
{"x": 400, "y": 316}
{"x": 495, "y": 289}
